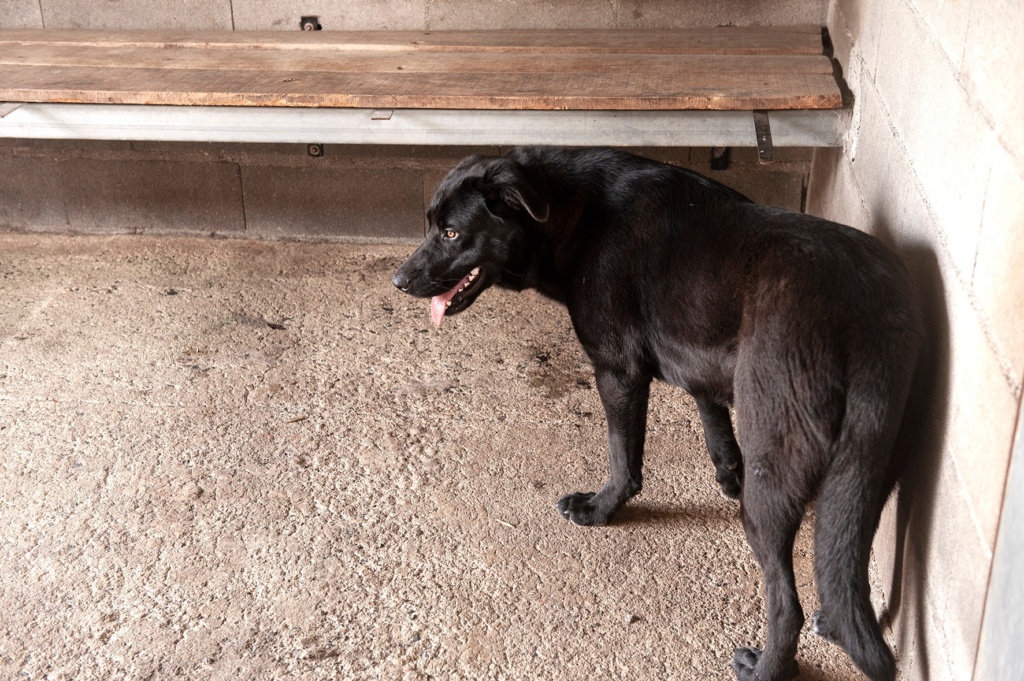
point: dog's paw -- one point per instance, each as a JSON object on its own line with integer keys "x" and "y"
{"x": 730, "y": 482}
{"x": 580, "y": 509}
{"x": 728, "y": 462}
{"x": 744, "y": 664}
{"x": 744, "y": 660}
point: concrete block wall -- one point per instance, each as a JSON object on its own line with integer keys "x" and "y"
{"x": 352, "y": 192}
{"x": 934, "y": 164}
{"x": 427, "y": 15}
{"x": 279, "y": 191}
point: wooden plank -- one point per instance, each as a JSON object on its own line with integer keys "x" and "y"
{"x": 410, "y": 62}
{"x": 760, "y": 40}
{"x": 458, "y": 90}
{"x": 717, "y": 69}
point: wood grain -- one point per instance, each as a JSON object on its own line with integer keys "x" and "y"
{"x": 584, "y": 70}
{"x": 413, "y": 62}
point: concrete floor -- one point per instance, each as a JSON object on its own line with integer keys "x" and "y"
{"x": 239, "y": 460}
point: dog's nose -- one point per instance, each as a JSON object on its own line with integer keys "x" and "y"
{"x": 401, "y": 281}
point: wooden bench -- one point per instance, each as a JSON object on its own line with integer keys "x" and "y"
{"x": 693, "y": 87}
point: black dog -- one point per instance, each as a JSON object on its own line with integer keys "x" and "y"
{"x": 808, "y": 328}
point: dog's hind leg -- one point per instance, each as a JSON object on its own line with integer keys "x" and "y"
{"x": 771, "y": 520}
{"x": 784, "y": 439}
{"x": 722, "y": 446}
{"x": 624, "y": 398}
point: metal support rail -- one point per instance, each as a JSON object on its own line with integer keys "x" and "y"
{"x": 790, "y": 128}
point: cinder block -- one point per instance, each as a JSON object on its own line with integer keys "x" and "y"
{"x": 998, "y": 272}
{"x": 951, "y": 566}
{"x": 941, "y": 586}
{"x": 371, "y": 15}
{"x": 505, "y": 14}
{"x": 882, "y": 173}
{"x": 416, "y": 156}
{"x": 282, "y": 202}
{"x": 833, "y": 193}
{"x": 945, "y": 137}
{"x": 206, "y": 15}
{"x": 863, "y": 20}
{"x": 152, "y": 196}
{"x": 118, "y": 196}
{"x": 856, "y": 14}
{"x": 825, "y": 195}
{"x": 21, "y": 14}
{"x": 947, "y": 21}
{"x": 982, "y": 414}
{"x": 780, "y": 189}
{"x": 32, "y": 194}
{"x": 842, "y": 40}
{"x": 60, "y": 148}
{"x": 911, "y": 64}
{"x": 679, "y": 156}
{"x": 993, "y": 64}
{"x": 671, "y": 14}
{"x": 876, "y": 150}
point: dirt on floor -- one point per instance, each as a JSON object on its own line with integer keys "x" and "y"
{"x": 240, "y": 460}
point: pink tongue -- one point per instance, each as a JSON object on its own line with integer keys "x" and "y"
{"x": 438, "y": 304}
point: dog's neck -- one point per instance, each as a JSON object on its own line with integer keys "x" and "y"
{"x": 551, "y": 252}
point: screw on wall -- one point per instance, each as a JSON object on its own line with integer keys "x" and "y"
{"x": 315, "y": 150}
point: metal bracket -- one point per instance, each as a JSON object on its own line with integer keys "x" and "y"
{"x": 8, "y": 107}
{"x": 763, "y": 132}
{"x": 310, "y": 23}
{"x": 382, "y": 114}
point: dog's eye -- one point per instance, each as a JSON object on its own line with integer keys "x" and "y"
{"x": 450, "y": 234}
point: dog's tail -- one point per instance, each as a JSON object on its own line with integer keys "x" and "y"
{"x": 859, "y": 479}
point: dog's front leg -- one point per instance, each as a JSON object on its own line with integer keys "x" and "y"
{"x": 625, "y": 407}
{"x": 722, "y": 446}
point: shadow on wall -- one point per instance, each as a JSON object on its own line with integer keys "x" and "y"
{"x": 921, "y": 440}
{"x": 922, "y": 435}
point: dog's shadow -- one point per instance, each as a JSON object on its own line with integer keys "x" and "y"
{"x": 647, "y": 513}
{"x": 812, "y": 675}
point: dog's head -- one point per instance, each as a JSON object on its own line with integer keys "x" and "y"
{"x": 477, "y": 231}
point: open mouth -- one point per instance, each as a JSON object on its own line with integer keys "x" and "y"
{"x": 457, "y": 299}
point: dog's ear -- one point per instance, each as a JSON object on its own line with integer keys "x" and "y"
{"x": 506, "y": 184}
